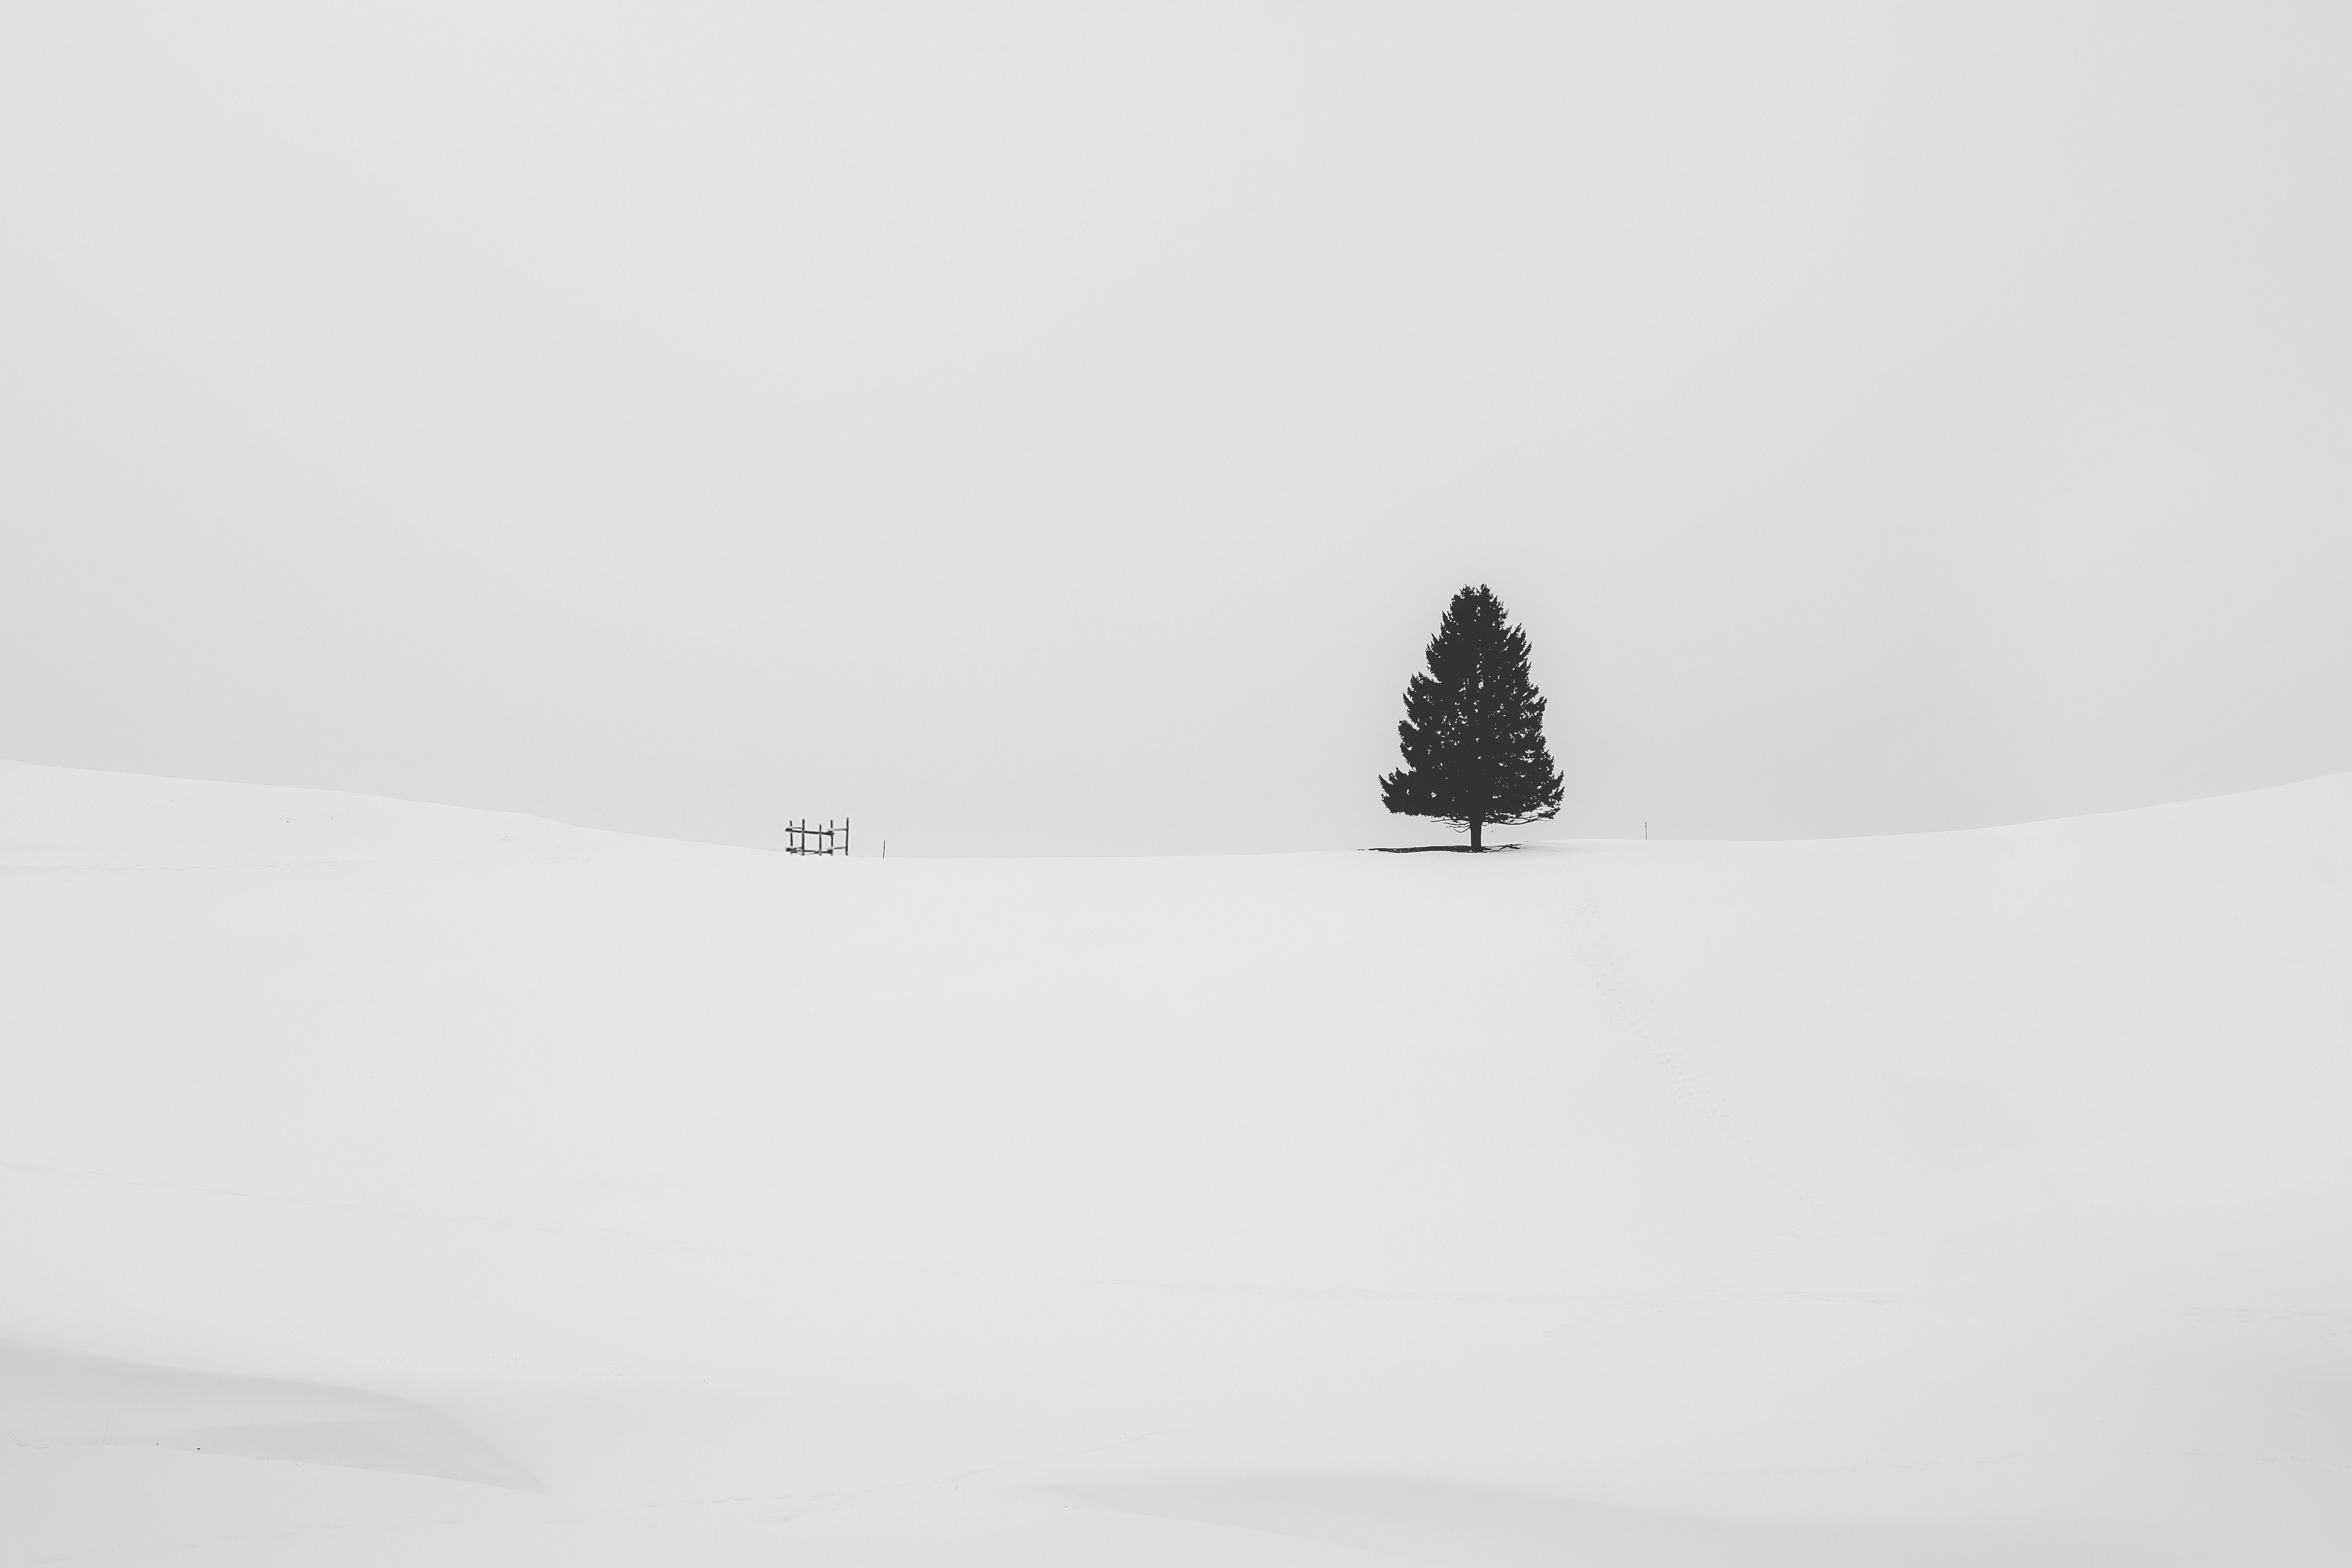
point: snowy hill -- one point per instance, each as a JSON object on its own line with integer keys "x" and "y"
{"x": 66, "y": 816}
{"x": 473, "y": 1189}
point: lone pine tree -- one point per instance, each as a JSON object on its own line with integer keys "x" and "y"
{"x": 1473, "y": 732}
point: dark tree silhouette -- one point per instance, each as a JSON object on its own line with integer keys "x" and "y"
{"x": 1472, "y": 733}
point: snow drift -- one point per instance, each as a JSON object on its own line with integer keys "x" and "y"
{"x": 514, "y": 1191}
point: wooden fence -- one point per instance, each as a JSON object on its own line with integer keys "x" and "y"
{"x": 800, "y": 838}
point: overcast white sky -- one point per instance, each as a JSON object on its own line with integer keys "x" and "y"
{"x": 1048, "y": 428}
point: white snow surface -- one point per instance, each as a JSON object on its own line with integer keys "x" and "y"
{"x": 386, "y": 1183}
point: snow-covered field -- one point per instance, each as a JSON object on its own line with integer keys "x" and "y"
{"x": 396, "y": 1184}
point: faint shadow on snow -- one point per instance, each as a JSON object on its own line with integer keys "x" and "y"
{"x": 1493, "y": 1527}
{"x": 52, "y": 1398}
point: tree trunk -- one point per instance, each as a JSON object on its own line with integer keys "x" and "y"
{"x": 1477, "y": 840}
